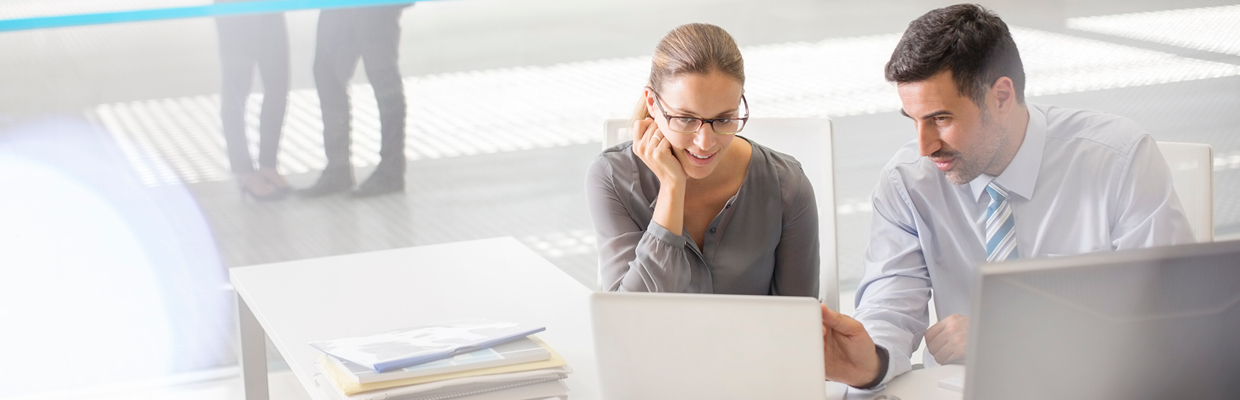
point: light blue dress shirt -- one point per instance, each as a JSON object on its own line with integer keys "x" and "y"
{"x": 1081, "y": 182}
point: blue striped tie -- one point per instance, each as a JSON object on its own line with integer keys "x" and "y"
{"x": 1000, "y": 235}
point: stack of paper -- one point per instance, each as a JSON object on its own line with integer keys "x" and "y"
{"x": 458, "y": 360}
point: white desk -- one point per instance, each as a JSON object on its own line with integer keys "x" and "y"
{"x": 297, "y": 302}
{"x": 922, "y": 384}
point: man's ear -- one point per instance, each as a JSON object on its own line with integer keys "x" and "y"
{"x": 1003, "y": 95}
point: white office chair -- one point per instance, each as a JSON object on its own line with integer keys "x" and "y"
{"x": 809, "y": 140}
{"x": 1192, "y": 173}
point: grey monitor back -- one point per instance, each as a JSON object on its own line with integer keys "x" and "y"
{"x": 1143, "y": 324}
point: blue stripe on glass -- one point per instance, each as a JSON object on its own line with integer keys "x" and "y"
{"x": 213, "y": 10}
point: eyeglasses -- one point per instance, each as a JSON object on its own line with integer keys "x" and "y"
{"x": 725, "y": 126}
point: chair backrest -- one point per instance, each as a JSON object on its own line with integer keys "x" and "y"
{"x": 1192, "y": 173}
{"x": 809, "y": 140}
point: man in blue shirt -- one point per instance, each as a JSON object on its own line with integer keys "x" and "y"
{"x": 989, "y": 178}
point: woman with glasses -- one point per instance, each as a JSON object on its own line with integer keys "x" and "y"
{"x": 689, "y": 206}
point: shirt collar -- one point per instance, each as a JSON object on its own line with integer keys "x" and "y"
{"x": 1021, "y": 175}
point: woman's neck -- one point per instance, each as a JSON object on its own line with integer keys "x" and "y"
{"x": 732, "y": 167}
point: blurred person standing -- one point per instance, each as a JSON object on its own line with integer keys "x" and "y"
{"x": 247, "y": 42}
{"x": 346, "y": 35}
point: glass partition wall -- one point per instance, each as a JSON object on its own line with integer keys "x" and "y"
{"x": 136, "y": 157}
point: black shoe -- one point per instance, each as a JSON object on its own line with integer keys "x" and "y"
{"x": 334, "y": 180}
{"x": 380, "y": 183}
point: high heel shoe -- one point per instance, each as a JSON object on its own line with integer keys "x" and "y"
{"x": 255, "y": 187}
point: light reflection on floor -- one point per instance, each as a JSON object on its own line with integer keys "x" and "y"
{"x": 106, "y": 280}
{"x": 79, "y": 293}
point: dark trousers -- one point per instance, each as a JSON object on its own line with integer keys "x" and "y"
{"x": 249, "y": 42}
{"x": 371, "y": 34}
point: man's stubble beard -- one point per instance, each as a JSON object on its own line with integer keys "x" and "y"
{"x": 978, "y": 158}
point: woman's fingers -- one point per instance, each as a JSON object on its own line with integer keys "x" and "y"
{"x": 653, "y": 142}
{"x": 656, "y": 151}
{"x": 662, "y": 146}
{"x": 652, "y": 136}
{"x": 641, "y": 134}
{"x": 639, "y": 129}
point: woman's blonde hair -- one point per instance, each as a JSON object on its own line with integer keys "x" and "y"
{"x": 692, "y": 48}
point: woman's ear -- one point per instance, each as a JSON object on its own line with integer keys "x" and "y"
{"x": 649, "y": 101}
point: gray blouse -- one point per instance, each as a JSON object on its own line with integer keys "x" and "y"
{"x": 764, "y": 241}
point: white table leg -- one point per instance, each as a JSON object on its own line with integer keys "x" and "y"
{"x": 253, "y": 354}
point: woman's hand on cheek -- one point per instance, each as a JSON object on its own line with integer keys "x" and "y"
{"x": 656, "y": 151}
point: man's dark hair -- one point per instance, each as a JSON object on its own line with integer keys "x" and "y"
{"x": 970, "y": 41}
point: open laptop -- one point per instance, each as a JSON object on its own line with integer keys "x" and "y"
{"x": 654, "y": 346}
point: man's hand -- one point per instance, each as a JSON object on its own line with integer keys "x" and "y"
{"x": 848, "y": 350}
{"x": 948, "y": 339}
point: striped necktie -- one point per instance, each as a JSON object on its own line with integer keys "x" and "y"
{"x": 1000, "y": 235}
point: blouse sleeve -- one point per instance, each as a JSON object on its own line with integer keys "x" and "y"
{"x": 797, "y": 261}
{"x": 632, "y": 259}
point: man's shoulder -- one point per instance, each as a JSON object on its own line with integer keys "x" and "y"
{"x": 1091, "y": 130}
